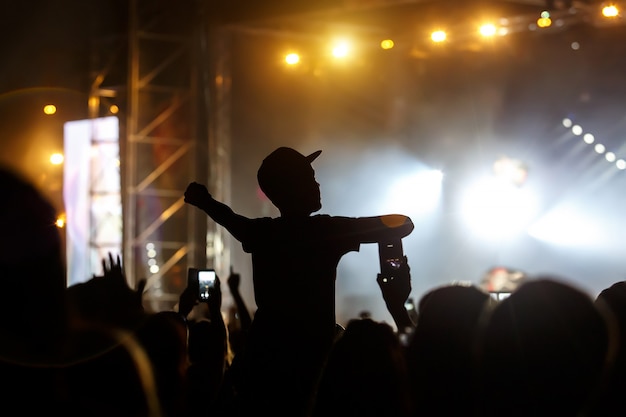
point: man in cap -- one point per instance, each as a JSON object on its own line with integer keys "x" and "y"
{"x": 294, "y": 261}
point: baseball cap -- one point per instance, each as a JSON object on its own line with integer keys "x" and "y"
{"x": 282, "y": 164}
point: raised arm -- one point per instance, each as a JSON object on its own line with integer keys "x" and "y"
{"x": 198, "y": 195}
{"x": 384, "y": 228}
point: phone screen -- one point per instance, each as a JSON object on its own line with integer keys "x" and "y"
{"x": 206, "y": 280}
{"x": 391, "y": 256}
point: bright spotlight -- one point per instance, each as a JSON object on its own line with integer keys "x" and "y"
{"x": 438, "y": 36}
{"x": 589, "y": 138}
{"x": 599, "y": 148}
{"x": 386, "y": 44}
{"x": 49, "y": 109}
{"x": 577, "y": 130}
{"x": 610, "y": 156}
{"x": 60, "y": 221}
{"x": 495, "y": 209}
{"x": 341, "y": 49}
{"x": 487, "y": 30}
{"x": 620, "y": 164}
{"x": 567, "y": 226}
{"x": 56, "y": 158}
{"x": 610, "y": 11}
{"x": 544, "y": 22}
{"x": 416, "y": 194}
{"x": 567, "y": 122}
{"x": 292, "y": 58}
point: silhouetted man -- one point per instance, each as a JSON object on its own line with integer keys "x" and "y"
{"x": 294, "y": 260}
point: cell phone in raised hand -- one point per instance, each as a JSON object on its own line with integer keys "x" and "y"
{"x": 206, "y": 281}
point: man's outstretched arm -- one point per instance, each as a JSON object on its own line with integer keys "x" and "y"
{"x": 198, "y": 195}
{"x": 384, "y": 228}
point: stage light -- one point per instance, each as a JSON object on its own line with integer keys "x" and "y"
{"x": 495, "y": 209}
{"x": 341, "y": 49}
{"x": 56, "y": 158}
{"x": 599, "y": 148}
{"x": 60, "y": 221}
{"x": 292, "y": 58}
{"x": 487, "y": 30}
{"x": 114, "y": 109}
{"x": 610, "y": 11}
{"x": 620, "y": 164}
{"x": 544, "y": 21}
{"x": 589, "y": 138}
{"x": 438, "y": 36}
{"x": 49, "y": 109}
{"x": 154, "y": 269}
{"x": 577, "y": 130}
{"x": 610, "y": 156}
{"x": 386, "y": 44}
{"x": 567, "y": 122}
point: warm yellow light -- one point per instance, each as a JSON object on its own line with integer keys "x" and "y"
{"x": 610, "y": 11}
{"x": 341, "y": 49}
{"x": 49, "y": 109}
{"x": 56, "y": 158}
{"x": 60, "y": 221}
{"x": 292, "y": 58}
{"x": 544, "y": 22}
{"x": 386, "y": 44}
{"x": 438, "y": 36}
{"x": 114, "y": 109}
{"x": 487, "y": 30}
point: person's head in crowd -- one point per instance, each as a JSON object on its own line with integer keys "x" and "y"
{"x": 440, "y": 351}
{"x": 543, "y": 352}
{"x": 365, "y": 374}
{"x": 32, "y": 271}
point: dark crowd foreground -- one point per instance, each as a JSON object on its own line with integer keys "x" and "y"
{"x": 93, "y": 350}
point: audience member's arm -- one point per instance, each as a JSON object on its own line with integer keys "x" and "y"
{"x": 242, "y": 310}
{"x": 396, "y": 291}
{"x": 214, "y": 302}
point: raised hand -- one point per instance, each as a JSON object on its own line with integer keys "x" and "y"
{"x": 197, "y": 194}
{"x": 233, "y": 281}
{"x": 396, "y": 291}
{"x": 114, "y": 278}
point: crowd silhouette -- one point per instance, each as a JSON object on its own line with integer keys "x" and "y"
{"x": 91, "y": 349}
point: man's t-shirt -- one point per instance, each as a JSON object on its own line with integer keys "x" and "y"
{"x": 295, "y": 265}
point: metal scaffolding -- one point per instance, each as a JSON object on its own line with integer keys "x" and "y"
{"x": 168, "y": 76}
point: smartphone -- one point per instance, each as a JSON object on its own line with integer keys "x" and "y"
{"x": 391, "y": 256}
{"x": 206, "y": 281}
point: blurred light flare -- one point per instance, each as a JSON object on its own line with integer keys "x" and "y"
{"x": 487, "y": 30}
{"x": 386, "y": 44}
{"x": 341, "y": 49}
{"x": 566, "y": 226}
{"x": 56, "y": 158}
{"x": 60, "y": 221}
{"x": 49, "y": 109}
{"x": 416, "y": 194}
{"x": 292, "y": 58}
{"x": 438, "y": 36}
{"x": 610, "y": 11}
{"x": 494, "y": 208}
